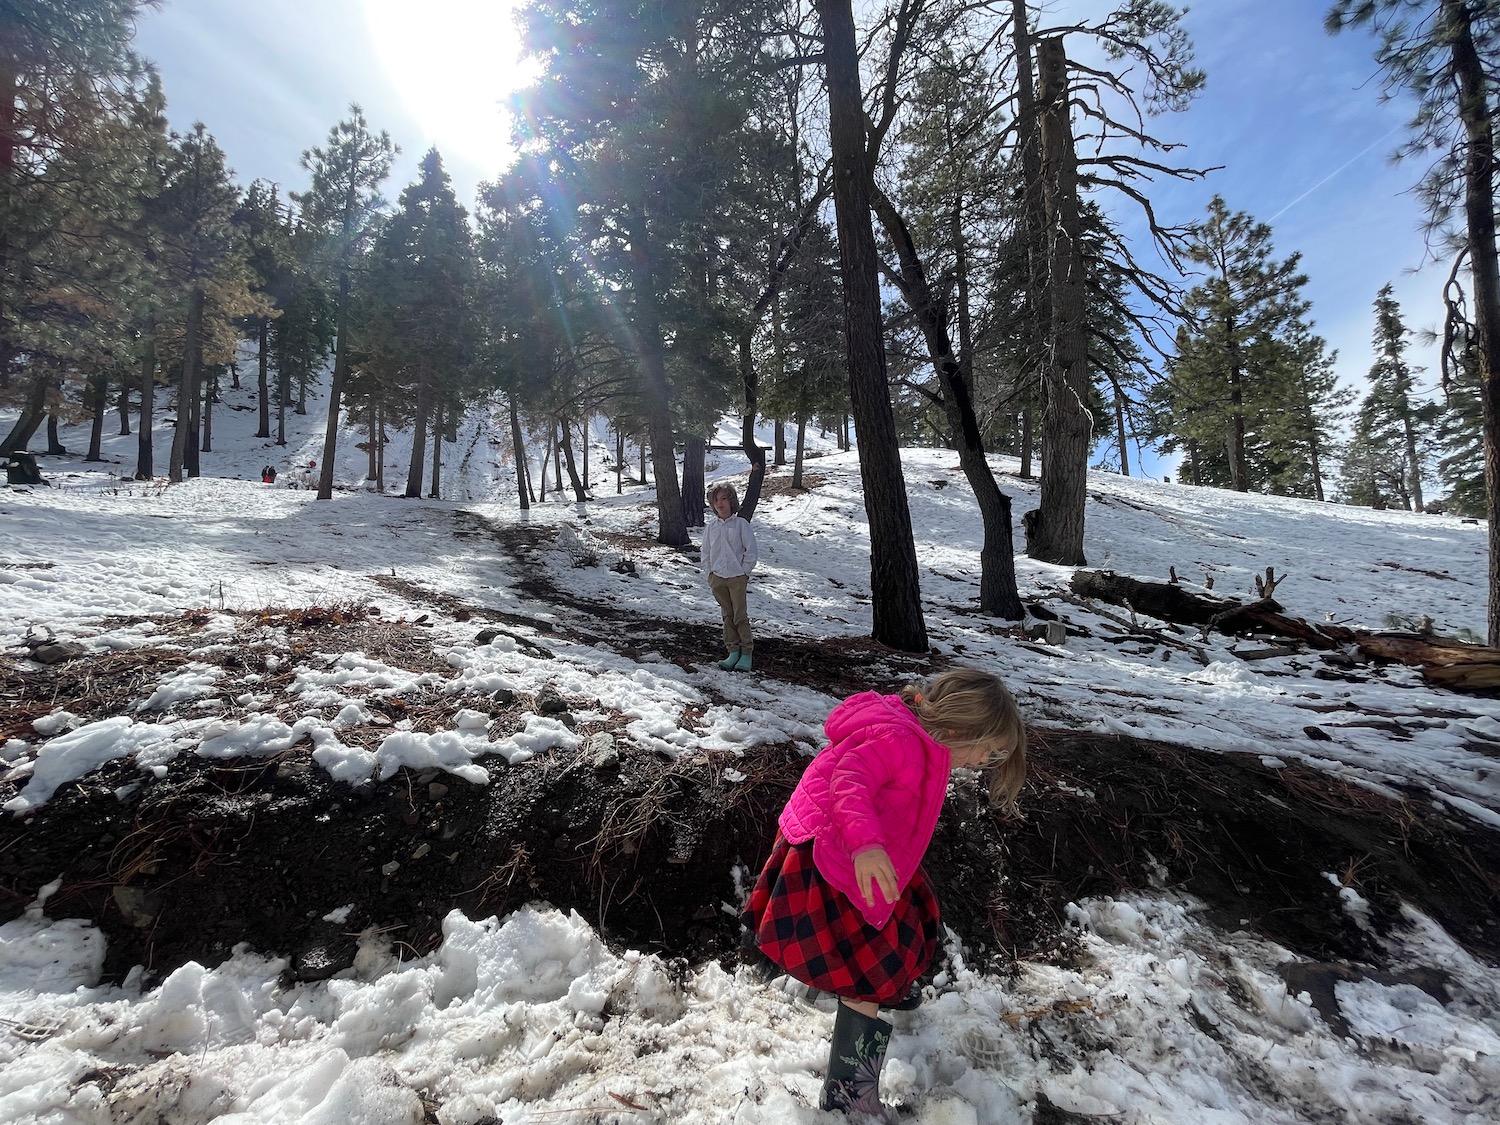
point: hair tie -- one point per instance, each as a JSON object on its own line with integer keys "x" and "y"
{"x": 917, "y": 697}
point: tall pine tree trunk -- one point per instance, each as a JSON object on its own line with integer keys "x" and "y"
{"x": 379, "y": 442}
{"x": 182, "y": 435}
{"x": 1055, "y": 529}
{"x": 671, "y": 527}
{"x": 895, "y": 587}
{"x": 144, "y": 463}
{"x": 518, "y": 452}
{"x": 33, "y": 410}
{"x": 124, "y": 405}
{"x": 283, "y": 389}
{"x": 372, "y": 454}
{"x": 619, "y": 460}
{"x": 99, "y": 394}
{"x": 1484, "y": 267}
{"x": 262, "y": 379}
{"x": 418, "y": 444}
{"x": 1120, "y": 435}
{"x": 580, "y": 492}
{"x": 336, "y": 392}
{"x": 210, "y": 396}
{"x": 437, "y": 453}
{"x": 1036, "y": 309}
{"x": 693, "y": 456}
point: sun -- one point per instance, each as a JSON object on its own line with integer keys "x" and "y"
{"x": 453, "y": 62}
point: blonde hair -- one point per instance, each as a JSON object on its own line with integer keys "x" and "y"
{"x": 727, "y": 490}
{"x": 967, "y": 707}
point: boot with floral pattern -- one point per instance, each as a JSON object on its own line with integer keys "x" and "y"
{"x": 854, "y": 1062}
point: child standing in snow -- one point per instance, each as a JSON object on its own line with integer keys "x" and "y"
{"x": 728, "y": 557}
{"x": 842, "y": 903}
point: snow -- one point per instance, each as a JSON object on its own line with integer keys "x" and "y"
{"x": 530, "y": 1018}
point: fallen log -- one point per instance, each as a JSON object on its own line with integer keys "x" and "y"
{"x": 1443, "y": 663}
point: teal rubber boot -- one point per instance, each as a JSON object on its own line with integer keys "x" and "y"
{"x": 731, "y": 661}
{"x": 742, "y": 662}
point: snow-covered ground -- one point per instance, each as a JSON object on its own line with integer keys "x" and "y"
{"x": 529, "y": 1018}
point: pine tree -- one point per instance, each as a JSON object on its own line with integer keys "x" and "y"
{"x": 267, "y": 243}
{"x": 71, "y": 161}
{"x": 1245, "y": 358}
{"x": 341, "y": 205}
{"x": 1461, "y": 437}
{"x": 199, "y": 257}
{"x": 1396, "y": 430}
{"x": 419, "y": 333}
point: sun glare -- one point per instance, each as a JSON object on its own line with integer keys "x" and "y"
{"x": 453, "y": 62}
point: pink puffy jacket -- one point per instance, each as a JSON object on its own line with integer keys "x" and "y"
{"x": 880, "y": 781}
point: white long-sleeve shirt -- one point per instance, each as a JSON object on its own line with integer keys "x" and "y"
{"x": 728, "y": 547}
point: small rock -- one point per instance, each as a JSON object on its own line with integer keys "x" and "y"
{"x": 422, "y": 849}
{"x": 431, "y": 773}
{"x": 1317, "y": 734}
{"x": 485, "y": 636}
{"x": 55, "y": 652}
{"x": 436, "y": 791}
{"x": 390, "y": 868}
{"x": 567, "y": 720}
{"x": 550, "y": 704}
{"x": 137, "y": 906}
{"x": 603, "y": 750}
{"x": 319, "y": 962}
{"x": 503, "y": 696}
{"x": 288, "y": 770}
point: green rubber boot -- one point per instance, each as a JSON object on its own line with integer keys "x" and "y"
{"x": 742, "y": 662}
{"x": 731, "y": 661}
{"x": 854, "y": 1061}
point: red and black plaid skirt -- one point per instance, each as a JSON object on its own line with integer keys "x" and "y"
{"x": 816, "y": 934}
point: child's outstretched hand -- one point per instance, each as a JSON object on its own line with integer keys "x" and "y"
{"x": 874, "y": 866}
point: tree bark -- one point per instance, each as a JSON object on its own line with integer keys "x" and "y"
{"x": 895, "y": 588}
{"x": 580, "y": 490}
{"x": 183, "y": 437}
{"x": 100, "y": 395}
{"x": 144, "y": 461}
{"x": 671, "y": 527}
{"x": 1055, "y": 531}
{"x": 210, "y": 396}
{"x": 1484, "y": 266}
{"x": 32, "y": 413}
{"x": 262, "y": 379}
{"x": 437, "y": 453}
{"x": 336, "y": 394}
{"x": 693, "y": 455}
{"x": 418, "y": 445}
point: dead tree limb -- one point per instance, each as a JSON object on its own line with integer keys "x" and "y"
{"x": 1443, "y": 663}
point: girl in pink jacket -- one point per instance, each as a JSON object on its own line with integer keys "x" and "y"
{"x": 842, "y": 903}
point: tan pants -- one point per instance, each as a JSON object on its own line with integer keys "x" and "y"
{"x": 730, "y": 594}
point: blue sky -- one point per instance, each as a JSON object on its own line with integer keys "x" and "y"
{"x": 1293, "y": 115}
